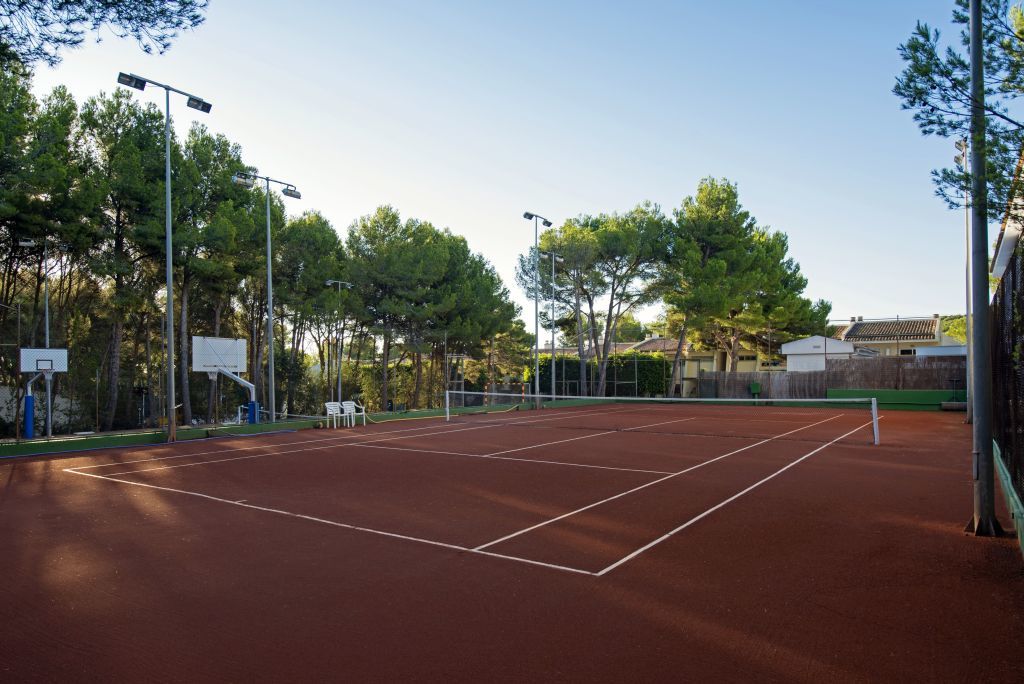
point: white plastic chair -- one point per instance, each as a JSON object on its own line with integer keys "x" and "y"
{"x": 350, "y": 410}
{"x": 334, "y": 412}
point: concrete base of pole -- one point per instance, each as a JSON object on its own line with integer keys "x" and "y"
{"x": 985, "y": 528}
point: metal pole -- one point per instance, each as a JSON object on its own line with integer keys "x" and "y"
{"x": 46, "y": 295}
{"x": 171, "y": 432}
{"x": 536, "y": 310}
{"x": 967, "y": 272}
{"x": 984, "y": 522}
{"x": 553, "y": 258}
{"x": 339, "y": 341}
{"x": 49, "y": 404}
{"x": 270, "y": 315}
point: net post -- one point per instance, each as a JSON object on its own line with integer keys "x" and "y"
{"x": 874, "y": 417}
{"x": 447, "y": 411}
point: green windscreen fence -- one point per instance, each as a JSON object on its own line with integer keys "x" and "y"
{"x": 1008, "y": 369}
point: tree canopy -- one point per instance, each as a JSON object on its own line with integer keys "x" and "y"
{"x": 935, "y": 85}
{"x": 37, "y": 30}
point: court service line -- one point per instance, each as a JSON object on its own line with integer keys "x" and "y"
{"x": 523, "y": 460}
{"x": 649, "y": 484}
{"x": 332, "y": 439}
{"x": 334, "y": 523}
{"x": 317, "y": 448}
{"x": 599, "y": 434}
{"x": 732, "y": 498}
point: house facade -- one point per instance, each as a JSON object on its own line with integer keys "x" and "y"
{"x": 895, "y": 336}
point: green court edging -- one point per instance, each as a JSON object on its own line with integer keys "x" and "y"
{"x": 1013, "y": 501}
{"x": 910, "y": 400}
{"x": 62, "y": 445}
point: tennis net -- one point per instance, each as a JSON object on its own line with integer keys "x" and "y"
{"x": 798, "y": 419}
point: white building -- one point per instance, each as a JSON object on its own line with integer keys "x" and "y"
{"x": 809, "y": 354}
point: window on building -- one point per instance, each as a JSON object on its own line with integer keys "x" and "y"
{"x": 908, "y": 352}
{"x": 747, "y": 358}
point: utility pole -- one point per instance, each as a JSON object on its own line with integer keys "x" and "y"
{"x": 984, "y": 522}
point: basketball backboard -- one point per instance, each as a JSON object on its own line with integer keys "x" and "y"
{"x": 38, "y": 360}
{"x": 210, "y": 354}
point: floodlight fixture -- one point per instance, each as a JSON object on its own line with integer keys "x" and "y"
{"x": 291, "y": 191}
{"x": 243, "y": 179}
{"x": 201, "y": 105}
{"x": 340, "y": 283}
{"x": 546, "y": 223}
{"x": 131, "y": 80}
{"x": 528, "y": 216}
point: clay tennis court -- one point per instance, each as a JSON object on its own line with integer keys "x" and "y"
{"x": 593, "y": 543}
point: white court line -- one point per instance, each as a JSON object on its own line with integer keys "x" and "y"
{"x": 561, "y": 416}
{"x": 318, "y": 448}
{"x": 599, "y": 434}
{"x": 333, "y": 523}
{"x": 723, "y": 503}
{"x": 644, "y": 486}
{"x": 512, "y": 458}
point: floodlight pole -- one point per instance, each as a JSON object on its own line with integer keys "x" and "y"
{"x": 536, "y": 299}
{"x": 247, "y": 179}
{"x": 984, "y": 522}
{"x": 961, "y": 160}
{"x": 536, "y": 308}
{"x": 139, "y": 83}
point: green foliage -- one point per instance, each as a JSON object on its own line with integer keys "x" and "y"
{"x": 37, "y": 31}
{"x": 955, "y": 327}
{"x": 936, "y": 86}
{"x": 730, "y": 281}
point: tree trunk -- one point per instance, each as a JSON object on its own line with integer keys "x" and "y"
{"x": 579, "y": 345}
{"x": 734, "y": 350}
{"x": 149, "y": 375}
{"x": 418, "y": 360}
{"x": 386, "y": 353}
{"x": 183, "y": 356}
{"x": 214, "y": 386}
{"x": 609, "y": 326}
{"x": 114, "y": 373}
{"x": 678, "y": 364}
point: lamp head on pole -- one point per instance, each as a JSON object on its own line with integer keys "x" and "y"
{"x": 200, "y": 104}
{"x": 131, "y": 80}
{"x": 291, "y": 191}
{"x": 243, "y": 179}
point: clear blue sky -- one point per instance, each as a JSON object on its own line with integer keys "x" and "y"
{"x": 466, "y": 114}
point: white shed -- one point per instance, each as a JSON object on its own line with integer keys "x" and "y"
{"x": 809, "y": 353}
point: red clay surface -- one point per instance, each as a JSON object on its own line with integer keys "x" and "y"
{"x": 428, "y": 551}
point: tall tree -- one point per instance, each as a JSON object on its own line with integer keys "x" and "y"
{"x": 729, "y": 280}
{"x": 204, "y": 234}
{"x": 128, "y": 149}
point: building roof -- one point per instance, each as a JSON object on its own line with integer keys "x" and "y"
{"x": 891, "y": 330}
{"x": 816, "y": 344}
{"x": 657, "y": 344}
